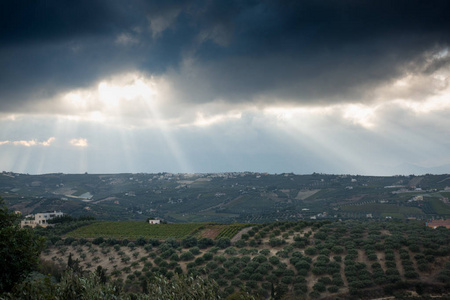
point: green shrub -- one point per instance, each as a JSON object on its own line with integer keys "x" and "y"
{"x": 186, "y": 256}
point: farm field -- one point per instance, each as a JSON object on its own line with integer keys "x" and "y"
{"x": 304, "y": 194}
{"x": 230, "y": 230}
{"x": 440, "y": 207}
{"x": 383, "y": 209}
{"x": 205, "y": 217}
{"x": 302, "y": 259}
{"x": 135, "y": 229}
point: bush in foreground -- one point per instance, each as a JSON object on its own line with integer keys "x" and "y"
{"x": 75, "y": 286}
{"x": 19, "y": 249}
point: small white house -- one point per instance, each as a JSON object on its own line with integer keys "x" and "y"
{"x": 41, "y": 219}
{"x": 154, "y": 221}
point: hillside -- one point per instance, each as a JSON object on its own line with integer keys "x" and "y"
{"x": 229, "y": 197}
{"x": 309, "y": 259}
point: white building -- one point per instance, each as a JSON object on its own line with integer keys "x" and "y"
{"x": 41, "y": 219}
{"x": 154, "y": 221}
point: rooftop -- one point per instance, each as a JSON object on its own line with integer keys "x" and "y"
{"x": 437, "y": 223}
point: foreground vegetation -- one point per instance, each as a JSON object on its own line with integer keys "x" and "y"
{"x": 19, "y": 249}
{"x": 93, "y": 286}
{"x": 303, "y": 259}
{"x": 278, "y": 260}
{"x": 135, "y": 229}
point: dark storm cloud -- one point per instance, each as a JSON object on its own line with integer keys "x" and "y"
{"x": 47, "y": 46}
{"x": 321, "y": 50}
{"x": 294, "y": 50}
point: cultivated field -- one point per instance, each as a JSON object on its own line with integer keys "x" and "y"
{"x": 135, "y": 229}
{"x": 294, "y": 259}
{"x": 382, "y": 208}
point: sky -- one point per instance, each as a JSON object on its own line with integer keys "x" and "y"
{"x": 110, "y": 86}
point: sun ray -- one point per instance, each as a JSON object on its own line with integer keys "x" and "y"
{"x": 304, "y": 127}
{"x": 121, "y": 102}
{"x": 174, "y": 148}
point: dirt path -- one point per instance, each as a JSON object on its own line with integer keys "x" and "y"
{"x": 238, "y": 236}
{"x": 106, "y": 199}
{"x": 398, "y": 262}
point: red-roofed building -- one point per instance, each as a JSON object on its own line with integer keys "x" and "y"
{"x": 436, "y": 223}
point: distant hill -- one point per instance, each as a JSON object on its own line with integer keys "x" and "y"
{"x": 417, "y": 170}
{"x": 229, "y": 197}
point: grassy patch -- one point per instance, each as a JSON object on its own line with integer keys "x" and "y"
{"x": 134, "y": 229}
{"x": 440, "y": 207}
{"x": 382, "y": 208}
{"x": 220, "y": 217}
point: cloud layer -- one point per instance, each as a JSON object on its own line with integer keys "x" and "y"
{"x": 30, "y": 143}
{"x": 304, "y": 86}
{"x": 300, "y": 51}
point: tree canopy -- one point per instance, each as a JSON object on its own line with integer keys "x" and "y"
{"x": 19, "y": 249}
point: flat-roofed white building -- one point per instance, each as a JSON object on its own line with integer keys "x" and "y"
{"x": 41, "y": 219}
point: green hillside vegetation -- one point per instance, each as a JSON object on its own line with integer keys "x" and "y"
{"x": 247, "y": 255}
{"x": 291, "y": 260}
{"x": 440, "y": 207}
{"x": 242, "y": 197}
{"x": 382, "y": 208}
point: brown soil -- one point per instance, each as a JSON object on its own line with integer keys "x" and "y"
{"x": 210, "y": 232}
{"x": 238, "y": 236}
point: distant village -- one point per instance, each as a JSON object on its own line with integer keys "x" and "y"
{"x": 246, "y": 197}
